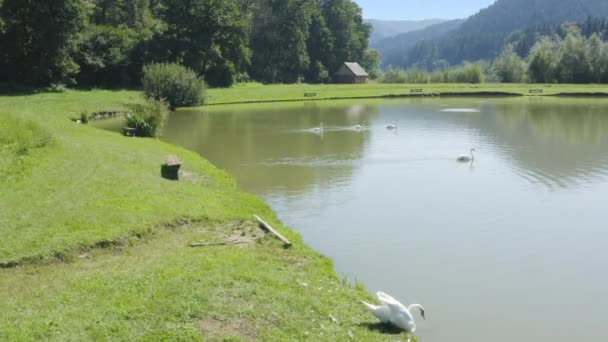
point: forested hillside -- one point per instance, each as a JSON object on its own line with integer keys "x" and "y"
{"x": 107, "y": 42}
{"x": 483, "y": 35}
{"x": 389, "y": 28}
{"x": 393, "y": 48}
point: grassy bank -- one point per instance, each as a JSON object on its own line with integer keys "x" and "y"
{"x": 96, "y": 244}
{"x": 296, "y": 92}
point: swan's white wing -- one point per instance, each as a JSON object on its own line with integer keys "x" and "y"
{"x": 382, "y": 312}
{"x": 390, "y": 302}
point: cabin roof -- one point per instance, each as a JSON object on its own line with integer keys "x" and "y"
{"x": 354, "y": 68}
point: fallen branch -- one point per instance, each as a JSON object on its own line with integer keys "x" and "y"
{"x": 267, "y": 227}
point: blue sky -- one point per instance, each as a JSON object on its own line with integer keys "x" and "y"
{"x": 420, "y": 9}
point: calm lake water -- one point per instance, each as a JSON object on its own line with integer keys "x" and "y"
{"x": 511, "y": 247}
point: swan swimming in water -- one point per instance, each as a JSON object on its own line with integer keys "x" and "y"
{"x": 392, "y": 311}
{"x": 466, "y": 158}
{"x": 359, "y": 127}
{"x": 318, "y": 129}
{"x": 392, "y": 126}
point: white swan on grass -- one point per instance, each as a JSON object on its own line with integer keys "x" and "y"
{"x": 465, "y": 157}
{"x": 392, "y": 311}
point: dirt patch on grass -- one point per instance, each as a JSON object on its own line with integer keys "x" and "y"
{"x": 238, "y": 234}
{"x": 214, "y": 329}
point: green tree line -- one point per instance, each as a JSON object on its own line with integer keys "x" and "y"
{"x": 107, "y": 42}
{"x": 571, "y": 58}
{"x": 574, "y": 58}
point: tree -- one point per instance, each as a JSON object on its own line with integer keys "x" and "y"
{"x": 573, "y": 65}
{"x": 371, "y": 62}
{"x": 208, "y": 36}
{"x": 509, "y": 66}
{"x": 542, "y": 60}
{"x": 38, "y": 40}
{"x": 594, "y": 53}
{"x": 279, "y": 37}
{"x": 135, "y": 14}
{"x": 350, "y": 35}
{"x": 319, "y": 45}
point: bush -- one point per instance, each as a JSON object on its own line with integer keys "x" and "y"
{"x": 173, "y": 83}
{"x": 148, "y": 118}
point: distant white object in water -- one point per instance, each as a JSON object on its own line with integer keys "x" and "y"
{"x": 318, "y": 129}
{"x": 466, "y": 158}
{"x": 392, "y": 126}
{"x": 359, "y": 127}
{"x": 392, "y": 311}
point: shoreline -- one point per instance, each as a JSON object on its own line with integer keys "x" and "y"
{"x": 293, "y": 93}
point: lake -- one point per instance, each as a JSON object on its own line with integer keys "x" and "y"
{"x": 510, "y": 247}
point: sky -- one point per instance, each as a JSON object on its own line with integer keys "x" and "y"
{"x": 421, "y": 9}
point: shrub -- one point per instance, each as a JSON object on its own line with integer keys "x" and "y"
{"x": 173, "y": 83}
{"x": 147, "y": 118}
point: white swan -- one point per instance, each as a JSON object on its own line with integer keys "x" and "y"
{"x": 466, "y": 158}
{"x": 392, "y": 311}
{"x": 392, "y": 126}
{"x": 318, "y": 129}
{"x": 360, "y": 127}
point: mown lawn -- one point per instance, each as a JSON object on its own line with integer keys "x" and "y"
{"x": 254, "y": 92}
{"x": 95, "y": 244}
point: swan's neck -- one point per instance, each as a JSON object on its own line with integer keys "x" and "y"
{"x": 472, "y": 156}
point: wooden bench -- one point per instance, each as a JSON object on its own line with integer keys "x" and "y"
{"x": 310, "y": 94}
{"x": 416, "y": 90}
{"x": 536, "y": 91}
{"x": 170, "y": 169}
{"x": 129, "y": 131}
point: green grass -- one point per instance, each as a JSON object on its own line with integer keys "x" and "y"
{"x": 254, "y": 92}
{"x": 95, "y": 243}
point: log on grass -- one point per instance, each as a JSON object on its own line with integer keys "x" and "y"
{"x": 267, "y": 227}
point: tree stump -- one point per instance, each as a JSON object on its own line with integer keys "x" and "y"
{"x": 170, "y": 169}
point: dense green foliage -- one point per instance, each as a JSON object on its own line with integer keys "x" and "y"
{"x": 394, "y": 49}
{"x": 177, "y": 85}
{"x": 38, "y": 40}
{"x": 509, "y": 67}
{"x": 107, "y": 42}
{"x": 467, "y": 73}
{"x": 147, "y": 118}
{"x": 572, "y": 59}
{"x": 484, "y": 35}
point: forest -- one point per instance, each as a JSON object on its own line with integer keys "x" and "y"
{"x": 107, "y": 42}
{"x": 484, "y": 35}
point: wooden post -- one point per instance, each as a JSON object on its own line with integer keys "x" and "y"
{"x": 267, "y": 227}
{"x": 170, "y": 169}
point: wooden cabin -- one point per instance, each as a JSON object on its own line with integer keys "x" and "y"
{"x": 351, "y": 73}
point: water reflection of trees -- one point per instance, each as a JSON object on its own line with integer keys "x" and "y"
{"x": 569, "y": 138}
{"x": 270, "y": 147}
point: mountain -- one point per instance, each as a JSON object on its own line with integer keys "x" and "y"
{"x": 482, "y": 36}
{"x": 392, "y": 48}
{"x": 387, "y": 28}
